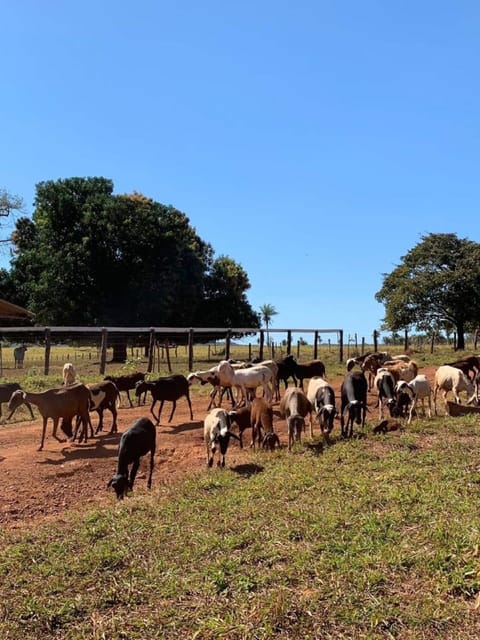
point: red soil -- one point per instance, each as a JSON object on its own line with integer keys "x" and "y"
{"x": 37, "y": 485}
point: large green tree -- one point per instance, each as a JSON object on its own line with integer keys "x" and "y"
{"x": 90, "y": 257}
{"x": 436, "y": 284}
{"x": 224, "y": 297}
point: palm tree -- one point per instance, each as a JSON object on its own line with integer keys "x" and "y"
{"x": 267, "y": 311}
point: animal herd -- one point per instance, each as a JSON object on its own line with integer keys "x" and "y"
{"x": 395, "y": 381}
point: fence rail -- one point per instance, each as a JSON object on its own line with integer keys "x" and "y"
{"x": 155, "y": 338}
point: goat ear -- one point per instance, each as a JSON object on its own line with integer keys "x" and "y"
{"x": 233, "y": 435}
{"x": 109, "y": 483}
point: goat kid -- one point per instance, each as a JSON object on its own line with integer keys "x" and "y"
{"x": 69, "y": 373}
{"x": 217, "y": 433}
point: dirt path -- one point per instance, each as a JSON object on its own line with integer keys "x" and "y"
{"x": 45, "y": 484}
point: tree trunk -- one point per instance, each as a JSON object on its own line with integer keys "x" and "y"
{"x": 119, "y": 352}
{"x": 460, "y": 337}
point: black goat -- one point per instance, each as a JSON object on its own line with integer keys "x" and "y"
{"x": 309, "y": 370}
{"x": 469, "y": 365}
{"x": 136, "y": 441}
{"x": 385, "y": 384}
{"x": 286, "y": 369}
{"x": 170, "y": 388}
{"x": 324, "y": 406}
{"x": 6, "y": 390}
{"x": 127, "y": 382}
{"x": 354, "y": 401}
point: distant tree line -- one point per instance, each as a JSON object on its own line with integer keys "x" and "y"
{"x": 89, "y": 257}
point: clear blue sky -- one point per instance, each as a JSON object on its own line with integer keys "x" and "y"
{"x": 314, "y": 142}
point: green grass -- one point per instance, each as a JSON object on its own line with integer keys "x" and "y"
{"x": 377, "y": 537}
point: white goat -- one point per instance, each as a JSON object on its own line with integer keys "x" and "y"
{"x": 322, "y": 398}
{"x": 273, "y": 366}
{"x": 216, "y": 432}
{"x": 69, "y": 374}
{"x": 219, "y": 383}
{"x": 418, "y": 389}
{"x": 243, "y": 379}
{"x": 449, "y": 378}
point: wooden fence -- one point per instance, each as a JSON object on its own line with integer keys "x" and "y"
{"x": 155, "y": 338}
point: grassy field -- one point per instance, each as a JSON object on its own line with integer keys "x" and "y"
{"x": 377, "y": 537}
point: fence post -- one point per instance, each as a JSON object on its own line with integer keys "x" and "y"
{"x": 228, "y": 339}
{"x": 151, "y": 351}
{"x": 340, "y": 341}
{"x": 315, "y": 345}
{"x": 167, "y": 353}
{"x": 262, "y": 340}
{"x": 289, "y": 342}
{"x": 47, "y": 352}
{"x": 190, "y": 350}
{"x": 375, "y": 340}
{"x": 103, "y": 351}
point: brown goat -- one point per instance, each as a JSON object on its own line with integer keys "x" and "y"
{"x": 262, "y": 418}
{"x": 294, "y": 406}
{"x": 242, "y": 418}
{"x": 63, "y": 402}
{"x": 402, "y": 370}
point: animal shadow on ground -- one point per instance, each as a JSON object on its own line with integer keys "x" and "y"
{"x": 186, "y": 426}
{"x": 315, "y": 447}
{"x": 86, "y": 451}
{"x": 247, "y": 470}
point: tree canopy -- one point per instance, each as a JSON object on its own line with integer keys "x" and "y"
{"x": 437, "y": 284}
{"x": 90, "y": 257}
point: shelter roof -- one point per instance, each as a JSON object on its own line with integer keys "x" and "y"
{"x": 10, "y": 311}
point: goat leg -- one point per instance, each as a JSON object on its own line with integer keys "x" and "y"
{"x": 173, "y": 410}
